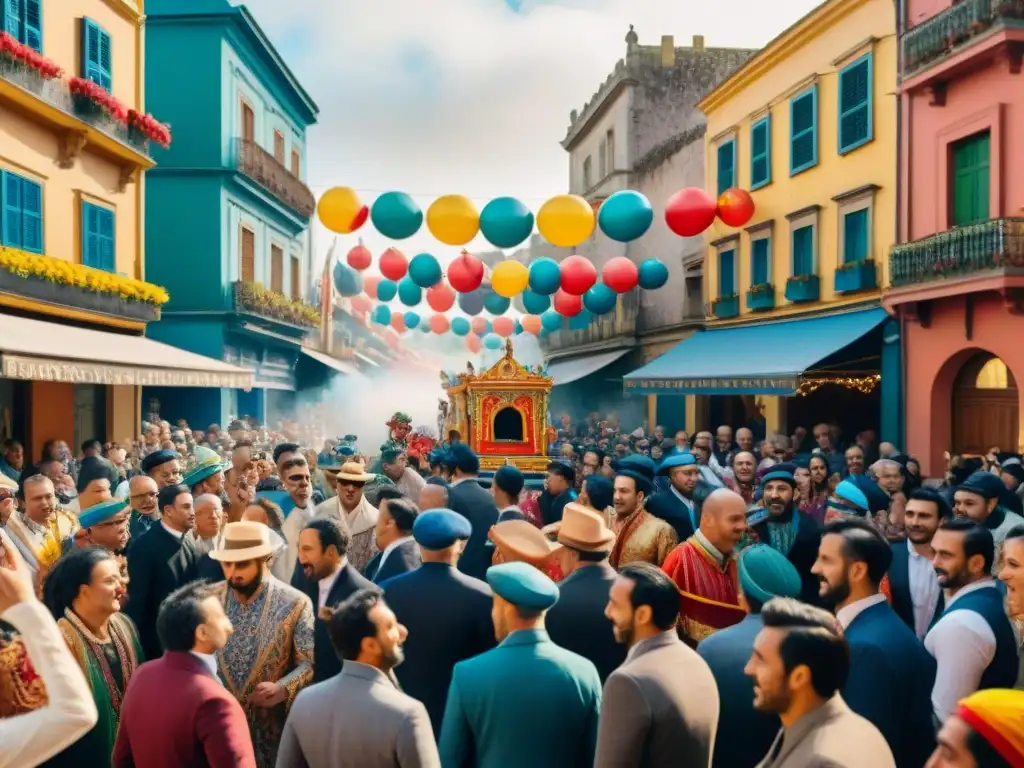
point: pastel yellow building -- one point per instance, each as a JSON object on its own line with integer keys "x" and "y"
{"x": 73, "y": 154}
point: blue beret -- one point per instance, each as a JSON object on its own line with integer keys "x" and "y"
{"x": 155, "y": 459}
{"x": 984, "y": 484}
{"x": 778, "y": 472}
{"x": 461, "y": 456}
{"x": 509, "y": 479}
{"x": 681, "y": 459}
{"x": 523, "y": 585}
{"x": 440, "y": 528}
{"x": 849, "y": 491}
{"x": 436, "y": 457}
{"x": 878, "y": 500}
{"x": 765, "y": 573}
{"x": 100, "y": 513}
{"x": 636, "y": 462}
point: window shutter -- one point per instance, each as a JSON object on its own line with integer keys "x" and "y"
{"x": 726, "y": 166}
{"x": 296, "y": 163}
{"x": 803, "y": 252}
{"x": 760, "y": 153}
{"x": 276, "y": 269}
{"x": 90, "y": 235}
{"x": 855, "y": 105}
{"x": 90, "y": 50}
{"x": 726, "y": 274}
{"x": 105, "y": 238}
{"x": 759, "y": 268}
{"x": 855, "y": 236}
{"x": 33, "y": 24}
{"x": 12, "y": 19}
{"x": 296, "y": 278}
{"x": 248, "y": 123}
{"x": 12, "y": 220}
{"x": 31, "y": 216}
{"x": 248, "y": 266}
{"x": 803, "y": 121}
{"x": 279, "y": 147}
{"x": 106, "y": 61}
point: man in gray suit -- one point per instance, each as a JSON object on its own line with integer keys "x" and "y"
{"x": 661, "y": 706}
{"x": 360, "y": 718}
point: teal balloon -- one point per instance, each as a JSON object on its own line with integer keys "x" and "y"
{"x": 545, "y": 277}
{"x": 505, "y": 222}
{"x": 347, "y": 282}
{"x": 519, "y": 328}
{"x": 424, "y": 270}
{"x": 600, "y": 300}
{"x": 460, "y": 326}
{"x": 535, "y": 303}
{"x": 386, "y": 290}
{"x": 425, "y": 328}
{"x": 382, "y": 315}
{"x": 411, "y": 320}
{"x": 396, "y": 215}
{"x": 409, "y": 293}
{"x": 472, "y": 303}
{"x": 495, "y": 304}
{"x": 488, "y": 327}
{"x": 551, "y": 321}
{"x": 652, "y": 274}
{"x": 581, "y": 321}
{"x": 625, "y": 216}
{"x": 492, "y": 341}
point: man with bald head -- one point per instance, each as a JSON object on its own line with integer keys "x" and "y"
{"x": 704, "y": 569}
{"x": 745, "y": 439}
{"x": 142, "y": 493}
{"x": 433, "y": 495}
{"x": 209, "y": 521}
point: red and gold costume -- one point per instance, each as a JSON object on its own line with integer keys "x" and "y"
{"x": 708, "y": 595}
{"x": 642, "y": 538}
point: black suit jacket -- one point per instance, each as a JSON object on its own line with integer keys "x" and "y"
{"x": 577, "y": 621}
{"x": 899, "y": 585}
{"x": 474, "y": 503}
{"x": 448, "y": 615}
{"x": 667, "y": 506}
{"x": 403, "y": 558}
{"x": 158, "y": 563}
{"x": 325, "y": 661}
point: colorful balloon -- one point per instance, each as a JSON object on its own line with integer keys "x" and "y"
{"x": 600, "y": 300}
{"x": 473, "y": 343}
{"x": 578, "y": 275}
{"x": 453, "y": 219}
{"x": 735, "y": 207}
{"x": 386, "y": 290}
{"x": 517, "y": 328}
{"x": 495, "y": 304}
{"x": 360, "y": 304}
{"x": 359, "y": 257}
{"x": 341, "y": 210}
{"x": 551, "y": 321}
{"x": 545, "y": 276}
{"x": 505, "y": 222}
{"x": 409, "y": 293}
{"x": 492, "y": 341}
{"x": 567, "y": 304}
{"x": 479, "y": 325}
{"x": 620, "y": 274}
{"x": 625, "y": 216}
{"x": 398, "y": 322}
{"x": 465, "y": 273}
{"x": 424, "y": 270}
{"x": 504, "y": 326}
{"x": 396, "y": 215}
{"x": 509, "y": 278}
{"x": 535, "y": 303}
{"x": 440, "y": 298}
{"x": 393, "y": 264}
{"x": 382, "y": 315}
{"x": 425, "y": 328}
{"x": 370, "y": 283}
{"x": 566, "y": 220}
{"x": 652, "y": 274}
{"x": 472, "y": 303}
{"x": 347, "y": 282}
{"x": 690, "y": 211}
{"x": 531, "y": 324}
{"x": 411, "y": 320}
{"x": 460, "y": 326}
{"x": 581, "y": 321}
{"x": 439, "y": 324}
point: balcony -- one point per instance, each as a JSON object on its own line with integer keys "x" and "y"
{"x": 955, "y": 29}
{"x": 620, "y": 324}
{"x": 761, "y": 297}
{"x": 253, "y": 299}
{"x": 263, "y": 168}
{"x": 974, "y": 250}
{"x": 801, "y": 289}
{"x": 856, "y": 276}
{"x": 726, "y": 307}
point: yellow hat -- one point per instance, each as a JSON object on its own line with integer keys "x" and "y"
{"x": 6, "y": 482}
{"x": 997, "y": 715}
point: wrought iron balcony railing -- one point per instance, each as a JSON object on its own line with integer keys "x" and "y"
{"x": 958, "y": 25}
{"x": 958, "y": 252}
{"x": 263, "y": 168}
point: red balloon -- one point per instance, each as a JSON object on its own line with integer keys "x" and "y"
{"x": 370, "y": 283}
{"x": 735, "y": 207}
{"x": 504, "y": 326}
{"x": 620, "y": 274}
{"x": 398, "y": 321}
{"x": 359, "y": 258}
{"x": 439, "y": 323}
{"x": 531, "y": 323}
{"x": 361, "y": 304}
{"x": 479, "y": 325}
{"x": 567, "y": 304}
{"x": 690, "y": 211}
{"x": 440, "y": 298}
{"x": 578, "y": 275}
{"x": 466, "y": 273}
{"x": 473, "y": 343}
{"x": 393, "y": 264}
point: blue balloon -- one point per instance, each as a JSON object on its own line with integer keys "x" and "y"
{"x": 580, "y": 321}
{"x": 492, "y": 341}
{"x": 545, "y": 276}
{"x": 625, "y": 216}
{"x": 535, "y": 303}
{"x": 600, "y": 300}
{"x": 424, "y": 270}
{"x": 411, "y": 320}
{"x": 551, "y": 321}
{"x": 396, "y": 215}
{"x": 425, "y": 328}
{"x": 505, "y": 222}
{"x": 495, "y": 304}
{"x": 652, "y": 274}
{"x": 518, "y": 329}
{"x": 409, "y": 293}
{"x": 347, "y": 282}
{"x": 460, "y": 326}
{"x": 488, "y": 327}
{"x": 386, "y": 290}
{"x": 472, "y": 303}
{"x": 382, "y": 315}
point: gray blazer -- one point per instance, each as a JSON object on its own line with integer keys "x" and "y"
{"x": 357, "y": 719}
{"x": 659, "y": 708}
{"x": 831, "y": 736}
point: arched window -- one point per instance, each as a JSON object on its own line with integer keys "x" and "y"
{"x": 508, "y": 425}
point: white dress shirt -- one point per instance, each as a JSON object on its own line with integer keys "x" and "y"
{"x": 963, "y": 645}
{"x": 36, "y": 736}
{"x": 848, "y": 613}
{"x": 324, "y": 586}
{"x": 924, "y": 590}
{"x": 284, "y": 564}
{"x": 209, "y": 661}
{"x": 391, "y": 548}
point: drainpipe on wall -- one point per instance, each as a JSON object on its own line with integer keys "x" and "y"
{"x": 901, "y": 185}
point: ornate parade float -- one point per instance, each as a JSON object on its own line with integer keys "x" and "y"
{"x": 500, "y": 413}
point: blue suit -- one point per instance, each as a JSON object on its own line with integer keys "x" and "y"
{"x": 890, "y": 683}
{"x": 470, "y": 500}
{"x": 527, "y": 702}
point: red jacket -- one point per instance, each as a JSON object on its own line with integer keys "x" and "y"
{"x": 175, "y": 714}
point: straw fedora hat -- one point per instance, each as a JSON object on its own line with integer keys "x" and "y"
{"x": 521, "y": 540}
{"x": 353, "y": 472}
{"x": 244, "y": 541}
{"x": 584, "y": 529}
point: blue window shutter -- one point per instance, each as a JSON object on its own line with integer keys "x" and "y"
{"x": 33, "y": 24}
{"x": 760, "y": 265}
{"x": 91, "y": 51}
{"x": 105, "y": 60}
{"x": 803, "y": 251}
{"x": 726, "y": 273}
{"x": 90, "y": 235}
{"x": 726, "y": 165}
{"x": 105, "y": 238}
{"x": 11, "y": 19}
{"x": 12, "y": 228}
{"x": 31, "y": 216}
{"x": 803, "y": 131}
{"x": 855, "y": 108}
{"x": 855, "y": 236}
{"x": 761, "y": 153}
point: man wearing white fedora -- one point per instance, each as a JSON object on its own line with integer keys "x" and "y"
{"x": 353, "y": 510}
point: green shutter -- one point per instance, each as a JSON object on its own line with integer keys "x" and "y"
{"x": 855, "y": 236}
{"x": 96, "y": 54}
{"x": 803, "y": 251}
{"x": 803, "y": 131}
{"x": 726, "y": 165}
{"x": 855, "y": 108}
{"x": 971, "y": 177}
{"x": 90, "y": 235}
{"x": 31, "y": 216}
{"x": 11, "y": 19}
{"x": 12, "y": 217}
{"x": 105, "y": 239}
{"x": 760, "y": 153}
{"x": 726, "y": 273}
{"x": 33, "y": 27}
{"x": 106, "y": 61}
{"x": 760, "y": 266}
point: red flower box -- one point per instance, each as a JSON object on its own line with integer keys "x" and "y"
{"x": 152, "y": 128}
{"x": 99, "y": 95}
{"x": 29, "y": 57}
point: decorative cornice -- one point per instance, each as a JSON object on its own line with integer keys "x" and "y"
{"x": 860, "y": 191}
{"x": 761, "y": 226}
{"x": 813, "y": 208}
{"x": 725, "y": 240}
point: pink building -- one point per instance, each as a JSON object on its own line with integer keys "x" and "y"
{"x": 958, "y": 273}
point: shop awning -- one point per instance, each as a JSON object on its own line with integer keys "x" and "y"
{"x": 568, "y": 371}
{"x": 332, "y": 362}
{"x": 36, "y": 350}
{"x": 761, "y": 359}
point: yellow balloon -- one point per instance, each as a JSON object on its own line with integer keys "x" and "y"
{"x": 453, "y": 219}
{"x": 566, "y": 220}
{"x": 509, "y": 278}
{"x": 341, "y": 210}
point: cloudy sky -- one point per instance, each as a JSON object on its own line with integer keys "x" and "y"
{"x": 472, "y": 96}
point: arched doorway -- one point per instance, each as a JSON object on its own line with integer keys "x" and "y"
{"x": 986, "y": 409}
{"x": 508, "y": 425}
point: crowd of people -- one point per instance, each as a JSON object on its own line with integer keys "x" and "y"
{"x": 250, "y": 598}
